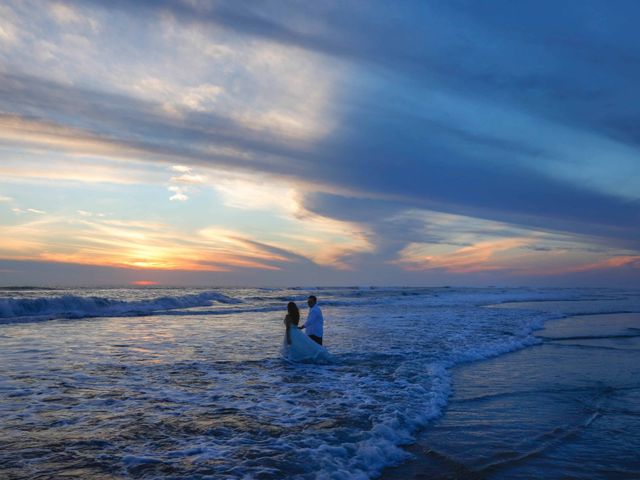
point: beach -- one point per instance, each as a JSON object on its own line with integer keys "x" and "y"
{"x": 426, "y": 383}
{"x": 566, "y": 408}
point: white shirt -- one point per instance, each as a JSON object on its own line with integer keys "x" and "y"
{"x": 314, "y": 323}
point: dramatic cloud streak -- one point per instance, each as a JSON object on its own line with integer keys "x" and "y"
{"x": 415, "y": 138}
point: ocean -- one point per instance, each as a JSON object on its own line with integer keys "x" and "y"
{"x": 167, "y": 383}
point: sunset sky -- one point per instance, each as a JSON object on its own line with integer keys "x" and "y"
{"x": 313, "y": 143}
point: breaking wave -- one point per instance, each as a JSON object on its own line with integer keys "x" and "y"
{"x": 74, "y": 306}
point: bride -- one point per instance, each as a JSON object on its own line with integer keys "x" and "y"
{"x": 297, "y": 346}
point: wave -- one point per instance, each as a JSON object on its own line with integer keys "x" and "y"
{"x": 422, "y": 389}
{"x": 73, "y": 306}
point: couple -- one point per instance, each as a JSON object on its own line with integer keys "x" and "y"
{"x": 300, "y": 347}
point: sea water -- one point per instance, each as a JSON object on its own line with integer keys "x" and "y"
{"x": 189, "y": 383}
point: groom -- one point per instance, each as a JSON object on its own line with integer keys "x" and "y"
{"x": 314, "y": 323}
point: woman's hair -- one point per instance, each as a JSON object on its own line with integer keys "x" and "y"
{"x": 293, "y": 311}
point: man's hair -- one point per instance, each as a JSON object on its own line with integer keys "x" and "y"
{"x": 313, "y": 297}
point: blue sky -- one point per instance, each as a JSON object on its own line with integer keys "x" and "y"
{"x": 302, "y": 143}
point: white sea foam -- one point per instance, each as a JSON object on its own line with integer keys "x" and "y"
{"x": 74, "y": 306}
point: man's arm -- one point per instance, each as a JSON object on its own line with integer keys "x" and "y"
{"x": 312, "y": 319}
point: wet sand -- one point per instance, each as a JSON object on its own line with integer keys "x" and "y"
{"x": 566, "y": 408}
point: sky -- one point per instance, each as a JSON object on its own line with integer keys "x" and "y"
{"x": 277, "y": 143}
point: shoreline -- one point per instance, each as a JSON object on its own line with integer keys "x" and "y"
{"x": 546, "y": 411}
{"x": 192, "y": 378}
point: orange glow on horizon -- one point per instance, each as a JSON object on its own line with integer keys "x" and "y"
{"x": 143, "y": 283}
{"x": 621, "y": 261}
{"x": 137, "y": 245}
{"x": 480, "y": 257}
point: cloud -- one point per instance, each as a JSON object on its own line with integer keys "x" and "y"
{"x": 383, "y": 133}
{"x": 423, "y": 174}
{"x": 64, "y": 13}
{"x": 628, "y": 262}
{"x": 418, "y": 240}
{"x": 202, "y": 98}
{"x": 182, "y": 184}
{"x": 8, "y": 34}
{"x": 139, "y": 244}
{"x": 20, "y": 211}
{"x": 325, "y": 239}
{"x": 249, "y": 192}
{"x": 58, "y": 117}
{"x": 188, "y": 178}
{"x": 24, "y": 165}
{"x": 178, "y": 194}
{"x": 85, "y": 214}
{"x": 478, "y": 257}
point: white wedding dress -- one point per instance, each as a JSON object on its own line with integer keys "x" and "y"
{"x": 303, "y": 349}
